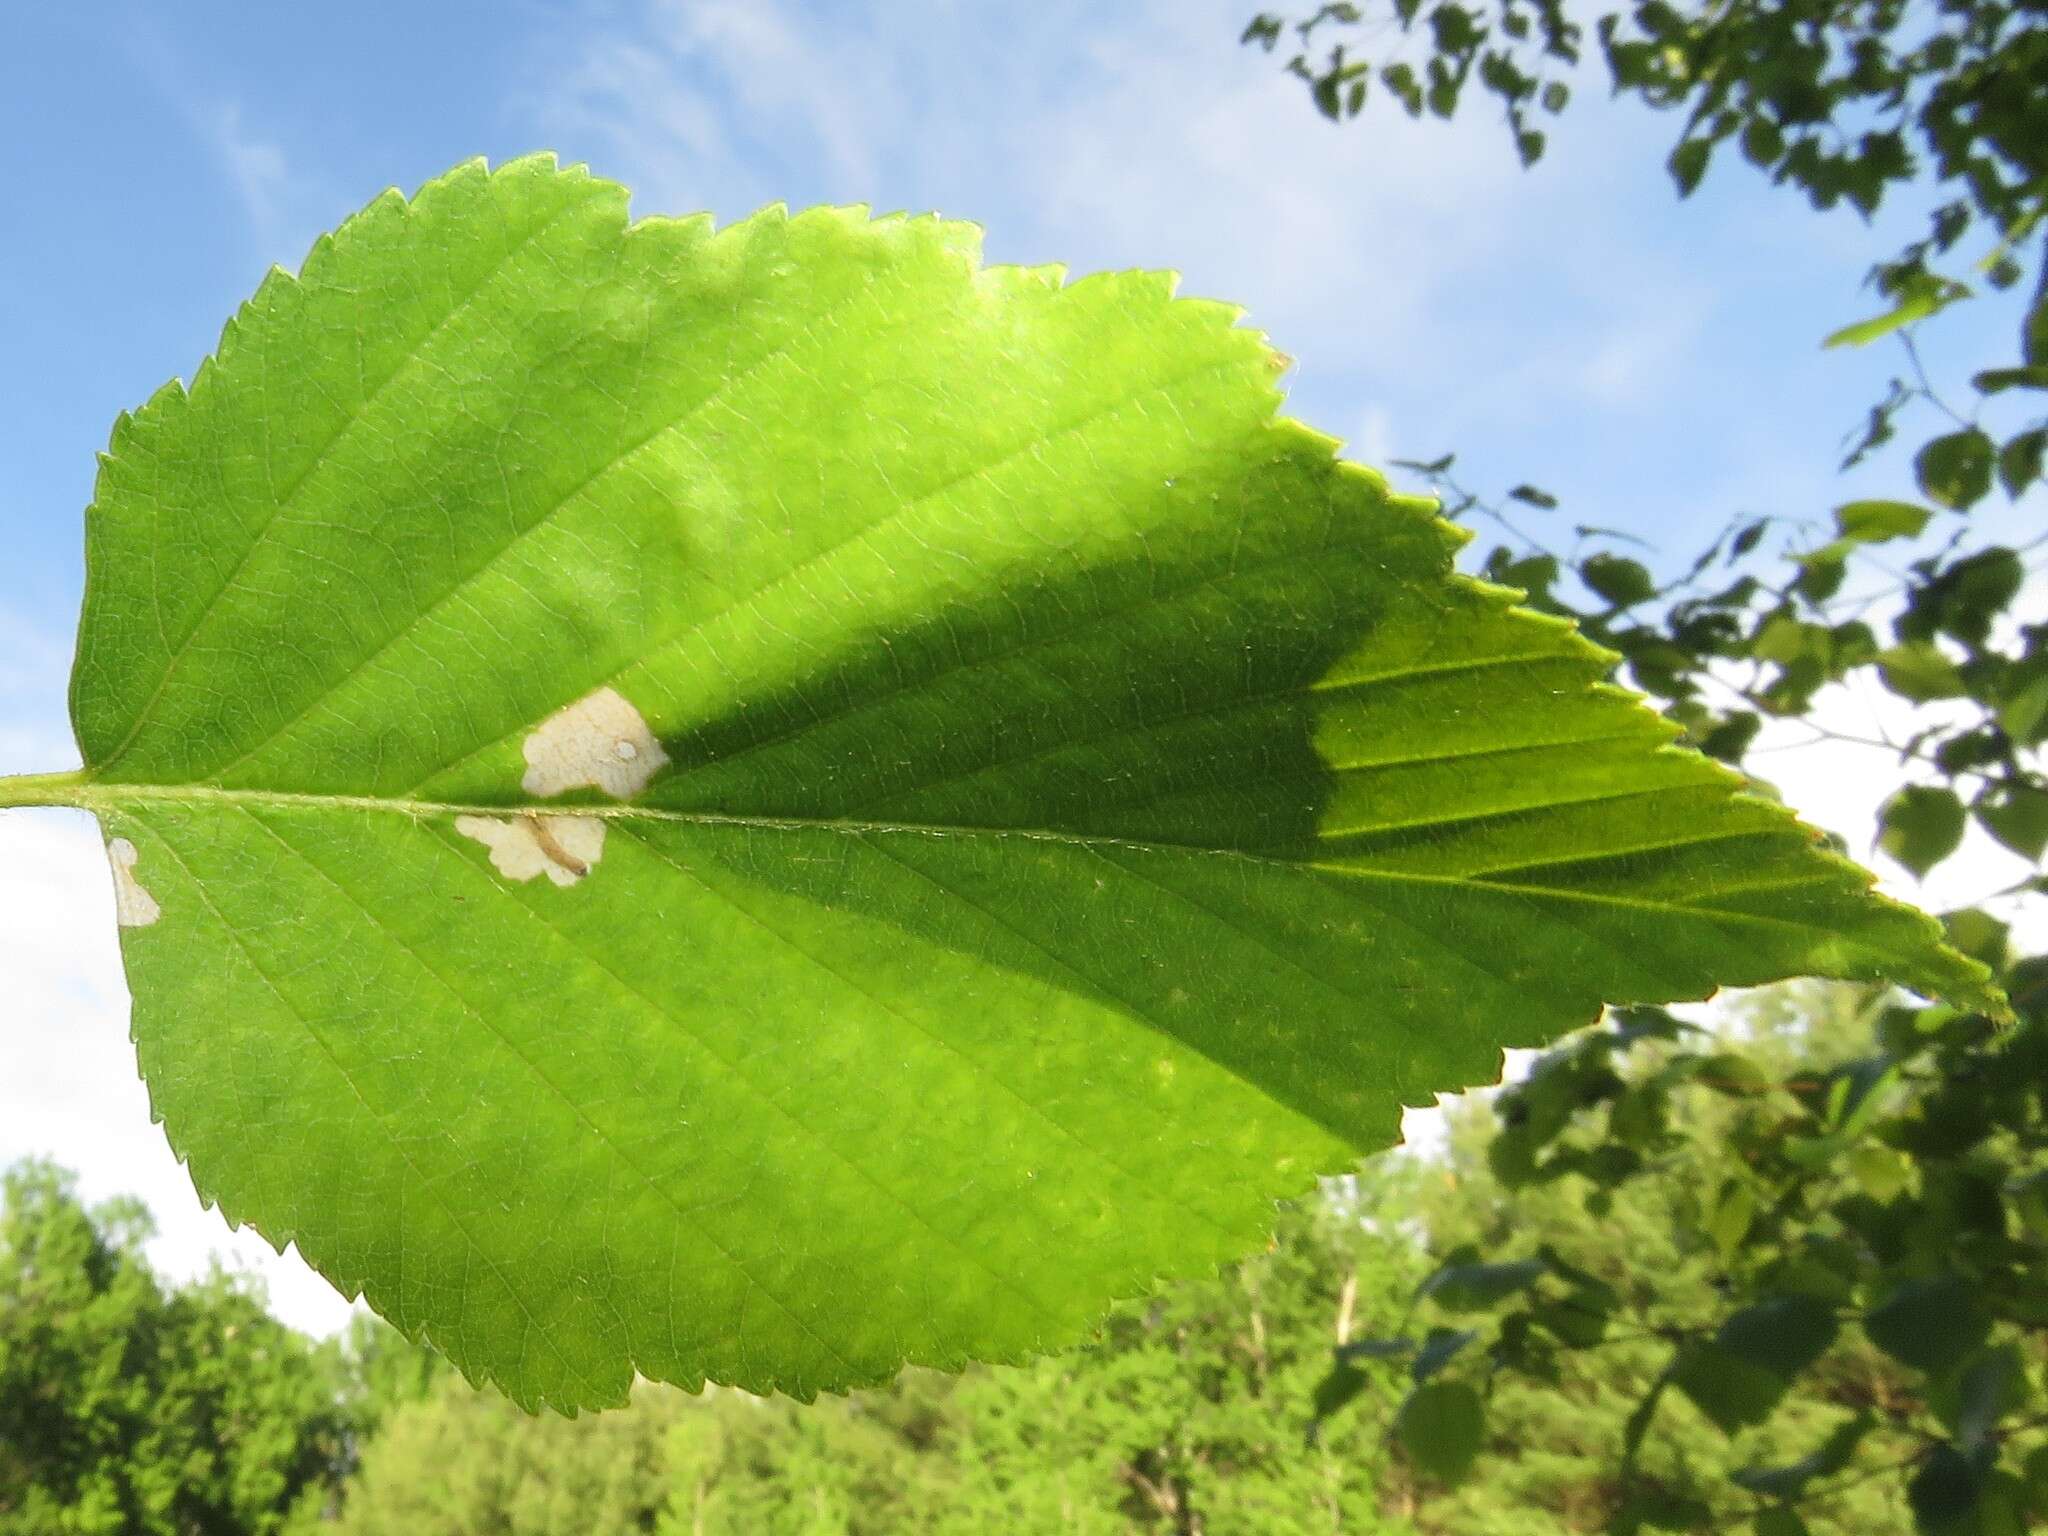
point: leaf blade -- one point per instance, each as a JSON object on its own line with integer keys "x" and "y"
{"x": 1058, "y": 757}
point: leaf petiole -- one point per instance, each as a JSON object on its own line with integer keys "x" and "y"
{"x": 42, "y": 789}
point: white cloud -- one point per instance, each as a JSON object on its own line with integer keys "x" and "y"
{"x": 1624, "y": 369}
{"x": 256, "y": 168}
{"x": 283, "y": 206}
{"x": 681, "y": 97}
{"x": 1145, "y": 140}
{"x": 1373, "y": 440}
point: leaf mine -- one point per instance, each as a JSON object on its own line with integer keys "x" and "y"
{"x": 134, "y": 907}
{"x": 564, "y": 848}
{"x": 601, "y": 742}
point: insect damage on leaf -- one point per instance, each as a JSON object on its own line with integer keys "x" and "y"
{"x": 561, "y": 847}
{"x": 601, "y": 741}
{"x": 134, "y": 907}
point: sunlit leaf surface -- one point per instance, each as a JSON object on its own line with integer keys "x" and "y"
{"x": 766, "y": 803}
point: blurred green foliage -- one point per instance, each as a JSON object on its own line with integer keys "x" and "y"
{"x": 1846, "y": 100}
{"x": 1838, "y": 1272}
{"x": 1527, "y": 1298}
{"x": 1781, "y": 1270}
{"x": 1192, "y": 1413}
{"x": 128, "y": 1408}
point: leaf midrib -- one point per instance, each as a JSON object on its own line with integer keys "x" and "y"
{"x": 96, "y": 797}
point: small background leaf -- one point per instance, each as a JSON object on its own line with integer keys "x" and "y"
{"x": 1441, "y": 1426}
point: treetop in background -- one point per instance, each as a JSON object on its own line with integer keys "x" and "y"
{"x": 1845, "y": 100}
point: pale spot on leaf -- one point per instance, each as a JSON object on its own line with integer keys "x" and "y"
{"x": 561, "y": 847}
{"x": 600, "y": 740}
{"x": 134, "y": 907}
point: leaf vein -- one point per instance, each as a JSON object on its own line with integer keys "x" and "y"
{"x": 321, "y": 455}
{"x": 234, "y": 934}
{"x": 378, "y": 922}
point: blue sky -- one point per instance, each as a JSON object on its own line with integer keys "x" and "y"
{"x": 1655, "y": 363}
{"x": 1577, "y": 326}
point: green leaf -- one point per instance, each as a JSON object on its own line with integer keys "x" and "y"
{"x": 1922, "y": 295}
{"x": 1728, "y": 1220}
{"x": 2020, "y": 460}
{"x": 1737, "y": 1377}
{"x": 763, "y": 804}
{"x": 2024, "y": 716}
{"x": 1995, "y": 380}
{"x": 1929, "y": 1324}
{"x": 1790, "y": 1480}
{"x": 1438, "y": 1350}
{"x": 1855, "y": 1089}
{"x": 1572, "y": 1322}
{"x": 1732, "y": 1393}
{"x": 1965, "y": 598}
{"x": 1978, "y": 934}
{"x": 2029, "y": 1198}
{"x": 1920, "y": 672}
{"x": 1400, "y": 79}
{"x": 2035, "y": 1472}
{"x": 1376, "y": 1349}
{"x": 1747, "y": 537}
{"x": 1778, "y": 1520}
{"x": 2016, "y": 813}
{"x": 1731, "y": 738}
{"x": 1324, "y": 92}
{"x": 1621, "y": 582}
{"x": 1474, "y": 1287}
{"x": 1820, "y": 575}
{"x": 1536, "y": 574}
{"x": 1784, "y": 1334}
{"x": 1879, "y": 1171}
{"x": 2002, "y": 1505}
{"x": 1920, "y": 826}
{"x": 1338, "y": 1390}
{"x": 1732, "y": 1073}
{"x": 1688, "y": 164}
{"x": 1877, "y": 522}
{"x": 1992, "y": 1385}
{"x": 1657, "y": 1507}
{"x": 1943, "y": 1492}
{"x": 1762, "y": 142}
{"x": 1441, "y": 1426}
{"x": 1955, "y": 469}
